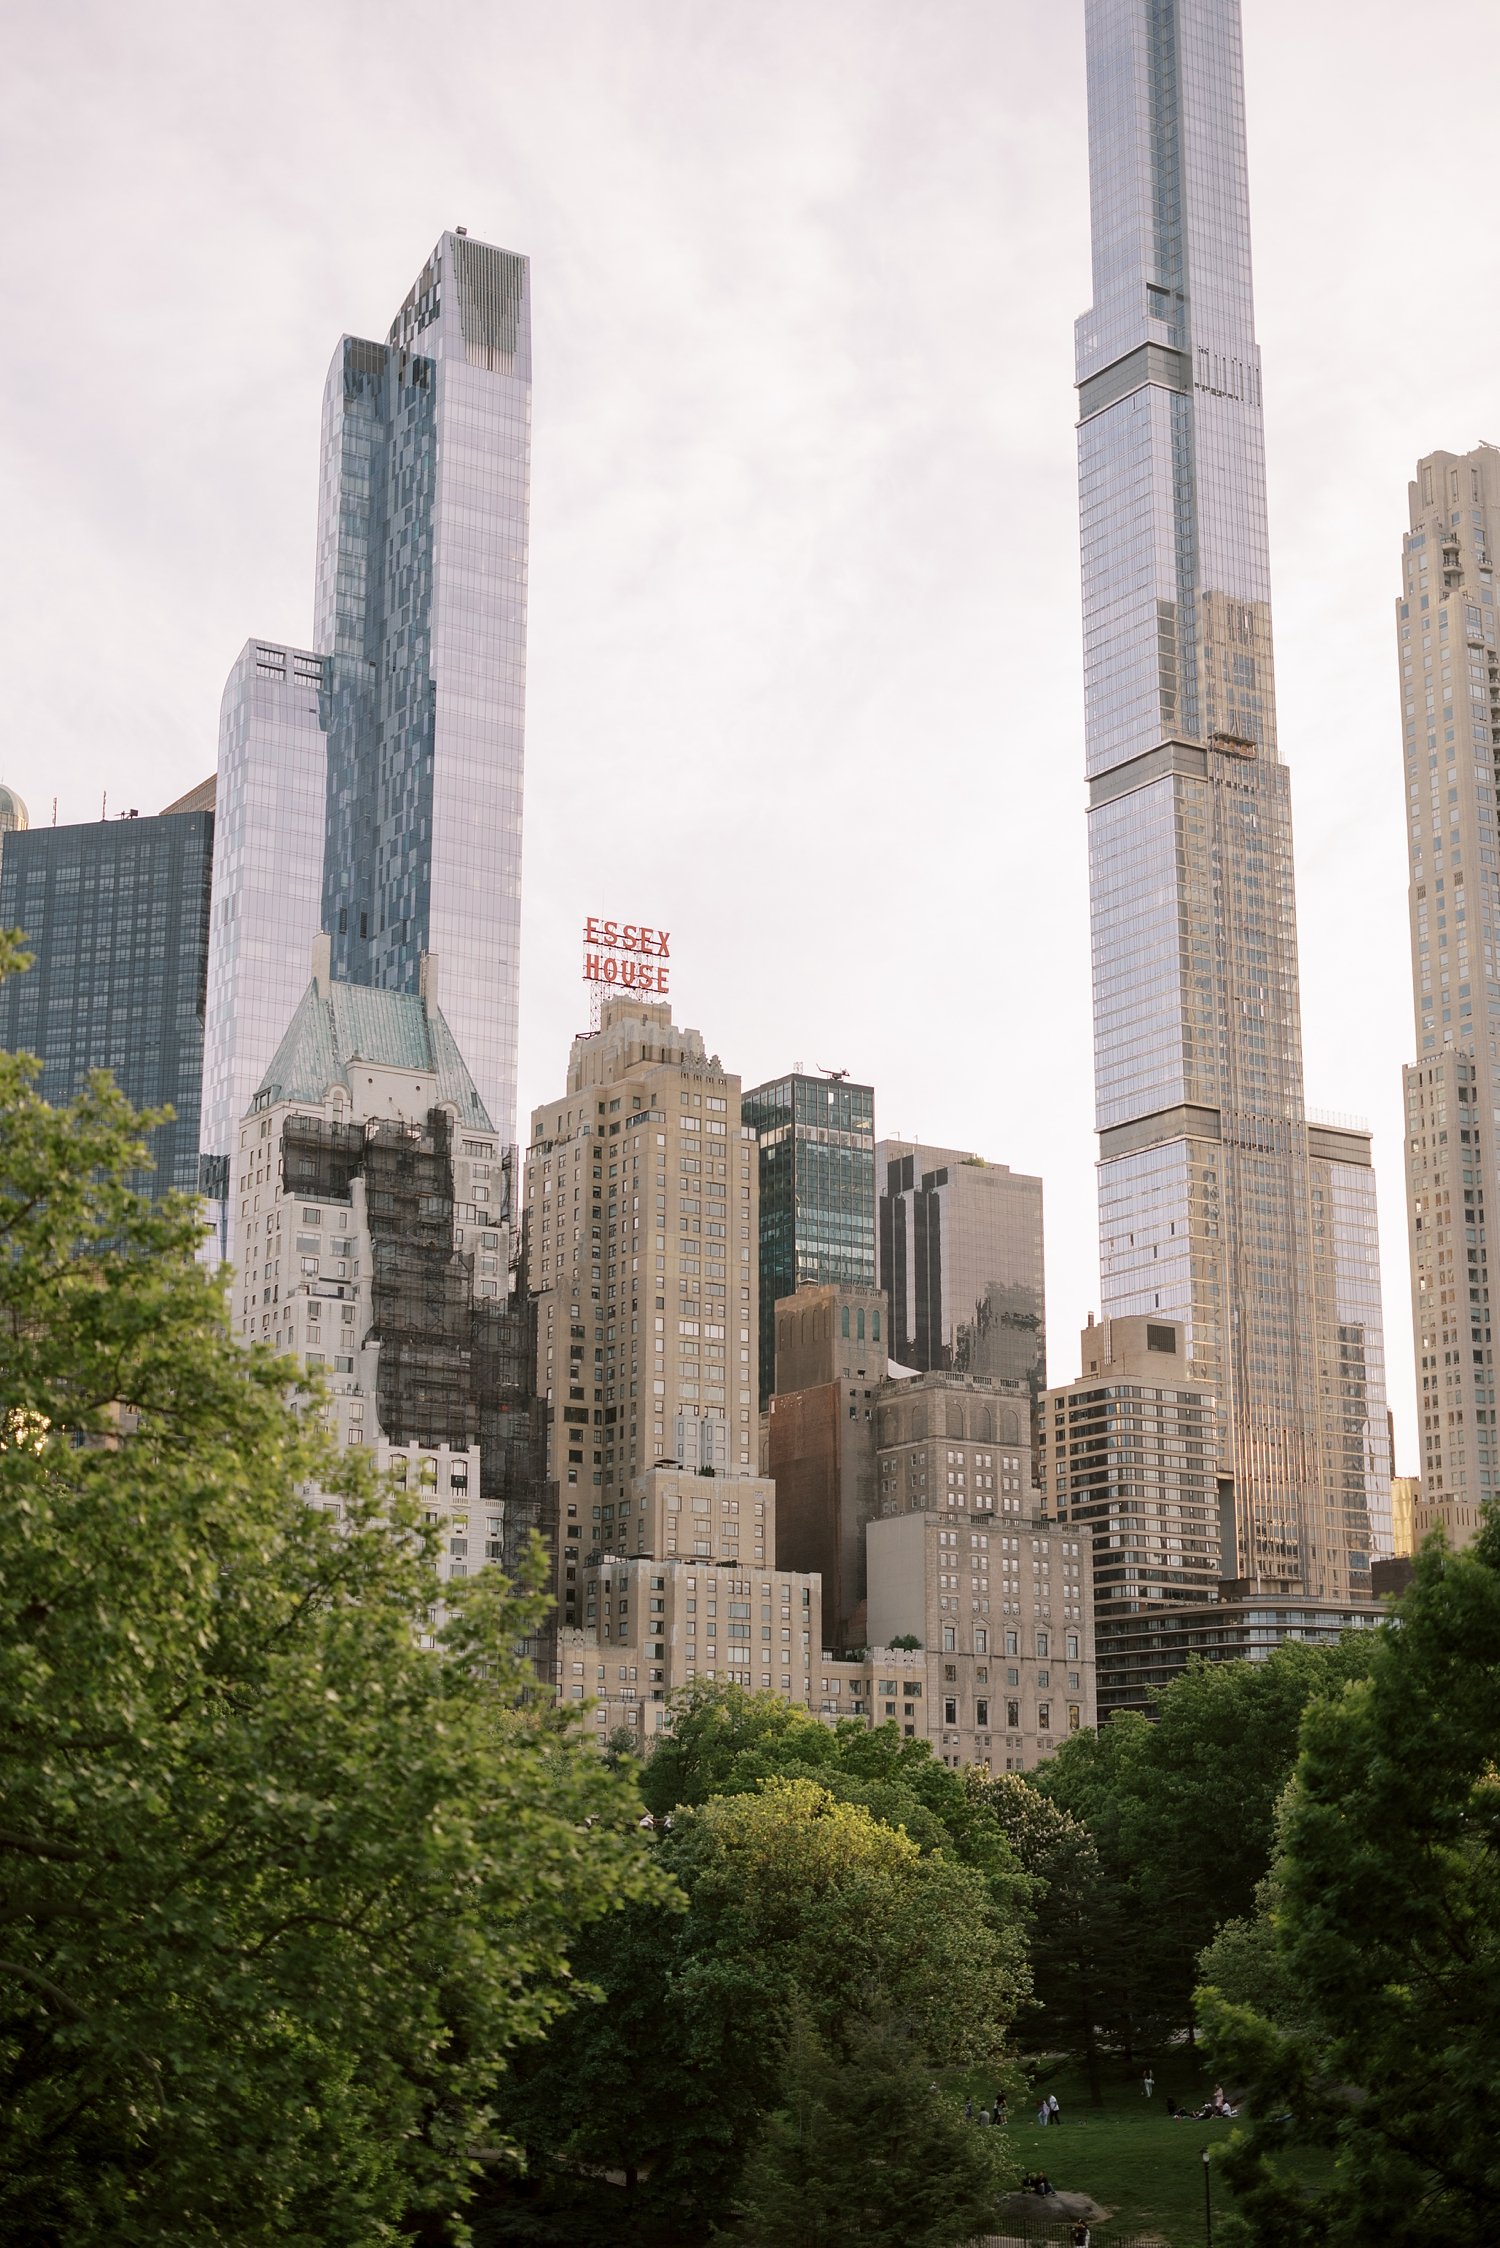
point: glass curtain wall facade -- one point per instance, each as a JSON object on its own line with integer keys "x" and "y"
{"x": 421, "y": 614}
{"x": 1206, "y": 1192}
{"x": 371, "y": 787}
{"x": 115, "y": 915}
{"x": 267, "y": 891}
{"x": 1450, "y": 696}
{"x": 817, "y": 1192}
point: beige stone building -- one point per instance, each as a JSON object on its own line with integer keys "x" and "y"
{"x": 640, "y": 1220}
{"x": 685, "y": 1591}
{"x": 1406, "y": 1498}
{"x": 1450, "y": 701}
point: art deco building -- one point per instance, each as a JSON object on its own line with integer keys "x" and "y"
{"x": 372, "y": 1205}
{"x": 1219, "y": 1209}
{"x": 371, "y": 786}
{"x": 1450, "y": 692}
{"x": 817, "y": 1192}
{"x": 961, "y": 1260}
{"x": 640, "y": 1231}
{"x": 116, "y": 919}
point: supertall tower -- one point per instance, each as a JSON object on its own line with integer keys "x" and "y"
{"x": 1220, "y": 1206}
{"x": 1450, "y": 692}
{"x": 370, "y": 786}
{"x": 421, "y": 615}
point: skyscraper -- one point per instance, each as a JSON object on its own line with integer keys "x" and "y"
{"x": 267, "y": 878}
{"x": 817, "y": 1192}
{"x": 644, "y": 1279}
{"x": 115, "y": 915}
{"x": 1214, "y": 1208}
{"x": 1450, "y": 691}
{"x": 961, "y": 1261}
{"x": 371, "y": 786}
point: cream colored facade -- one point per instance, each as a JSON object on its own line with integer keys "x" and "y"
{"x": 1406, "y": 1498}
{"x": 686, "y": 1594}
{"x": 1450, "y": 701}
{"x": 641, "y": 1201}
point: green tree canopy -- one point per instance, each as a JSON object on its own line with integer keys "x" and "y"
{"x": 864, "y": 2151}
{"x": 1183, "y": 1810}
{"x": 280, "y": 1887}
{"x": 1386, "y": 1923}
{"x": 725, "y": 1741}
{"x": 798, "y": 1900}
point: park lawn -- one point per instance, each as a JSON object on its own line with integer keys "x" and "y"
{"x": 1128, "y": 2156}
{"x": 1145, "y": 2169}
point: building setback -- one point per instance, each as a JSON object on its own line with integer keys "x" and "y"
{"x": 1450, "y": 694}
{"x": 1216, "y": 1210}
{"x": 374, "y": 781}
{"x": 116, "y": 919}
{"x": 817, "y": 1192}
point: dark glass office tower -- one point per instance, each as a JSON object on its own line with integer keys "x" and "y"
{"x": 116, "y": 920}
{"x": 817, "y": 1192}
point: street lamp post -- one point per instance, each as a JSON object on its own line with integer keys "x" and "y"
{"x": 1208, "y": 2206}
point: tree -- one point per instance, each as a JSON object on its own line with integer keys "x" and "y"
{"x": 863, "y": 2151}
{"x": 796, "y": 1900}
{"x": 1387, "y": 1927}
{"x": 725, "y": 1741}
{"x": 1073, "y": 1927}
{"x": 1183, "y": 1811}
{"x": 280, "y": 1888}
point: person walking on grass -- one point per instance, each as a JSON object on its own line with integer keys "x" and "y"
{"x": 1044, "y": 2112}
{"x": 1148, "y": 2083}
{"x": 1054, "y": 2112}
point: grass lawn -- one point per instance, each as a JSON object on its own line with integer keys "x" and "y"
{"x": 1128, "y": 2156}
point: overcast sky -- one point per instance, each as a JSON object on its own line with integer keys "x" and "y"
{"x": 804, "y": 650}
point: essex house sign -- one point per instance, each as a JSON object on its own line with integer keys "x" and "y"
{"x": 625, "y": 954}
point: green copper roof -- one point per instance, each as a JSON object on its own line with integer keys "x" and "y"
{"x": 339, "y": 1025}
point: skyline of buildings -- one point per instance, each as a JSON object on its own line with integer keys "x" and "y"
{"x": 1214, "y": 1205}
{"x": 574, "y": 1344}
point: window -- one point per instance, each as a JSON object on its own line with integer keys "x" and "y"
{"x": 950, "y": 1642}
{"x": 981, "y": 1714}
{"x": 1043, "y": 1646}
{"x": 844, "y": 1323}
{"x": 1013, "y": 1716}
{"x": 1044, "y": 1717}
{"x": 950, "y": 1712}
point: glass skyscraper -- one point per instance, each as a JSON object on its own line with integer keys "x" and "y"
{"x": 1219, "y": 1205}
{"x": 371, "y": 786}
{"x": 817, "y": 1192}
{"x": 115, "y": 915}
